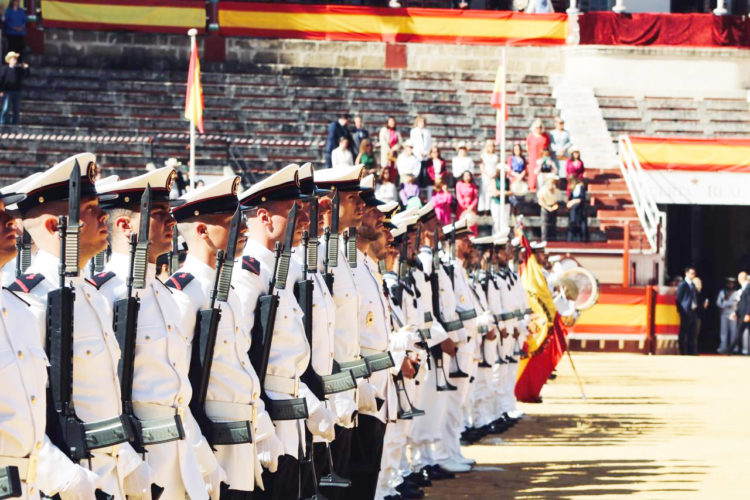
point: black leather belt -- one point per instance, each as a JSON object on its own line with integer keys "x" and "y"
{"x": 452, "y": 326}
{"x": 287, "y": 409}
{"x": 338, "y": 382}
{"x": 427, "y": 317}
{"x": 379, "y": 362}
{"x": 162, "y": 430}
{"x": 358, "y": 367}
{"x": 425, "y": 333}
{"x": 237, "y": 432}
{"x": 467, "y": 315}
{"x": 10, "y": 482}
{"x": 482, "y": 330}
{"x": 107, "y": 432}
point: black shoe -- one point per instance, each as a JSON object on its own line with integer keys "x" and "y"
{"x": 418, "y": 479}
{"x": 444, "y": 472}
{"x": 436, "y": 473}
{"x": 393, "y": 497}
{"x": 406, "y": 491}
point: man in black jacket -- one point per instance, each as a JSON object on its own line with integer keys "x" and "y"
{"x": 11, "y": 82}
{"x": 743, "y": 315}
{"x": 687, "y": 306}
{"x": 336, "y": 130}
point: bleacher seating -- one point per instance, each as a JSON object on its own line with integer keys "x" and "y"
{"x": 268, "y": 117}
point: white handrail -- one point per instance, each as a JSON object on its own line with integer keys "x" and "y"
{"x": 652, "y": 219}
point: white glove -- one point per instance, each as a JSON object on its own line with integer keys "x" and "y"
{"x": 81, "y": 486}
{"x": 345, "y": 408}
{"x": 367, "y": 403}
{"x": 321, "y": 423}
{"x": 137, "y": 484}
{"x": 269, "y": 450}
{"x": 213, "y": 482}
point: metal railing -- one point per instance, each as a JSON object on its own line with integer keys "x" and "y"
{"x": 653, "y": 221}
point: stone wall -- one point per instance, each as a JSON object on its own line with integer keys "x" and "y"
{"x": 162, "y": 51}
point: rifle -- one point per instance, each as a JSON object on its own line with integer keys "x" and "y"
{"x": 437, "y": 350}
{"x": 204, "y": 343}
{"x": 174, "y": 253}
{"x": 23, "y": 248}
{"x": 332, "y": 243}
{"x": 351, "y": 246}
{"x": 10, "y": 483}
{"x": 265, "y": 319}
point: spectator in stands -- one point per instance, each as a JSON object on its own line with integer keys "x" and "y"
{"x": 199, "y": 183}
{"x": 14, "y": 26}
{"x": 487, "y": 169}
{"x": 545, "y": 166}
{"x": 574, "y": 166}
{"x": 443, "y": 201}
{"x": 366, "y": 157}
{"x": 460, "y": 4}
{"x": 385, "y": 188}
{"x": 336, "y": 130}
{"x": 342, "y": 156}
{"x": 409, "y": 192}
{"x": 462, "y": 162}
{"x": 577, "y": 224}
{"x": 467, "y": 194}
{"x": 727, "y": 304}
{"x": 539, "y": 7}
{"x": 547, "y": 197}
{"x": 358, "y": 135}
{"x": 494, "y": 187}
{"x": 407, "y": 164}
{"x": 11, "y": 83}
{"x": 390, "y": 141}
{"x": 687, "y": 306}
{"x": 536, "y": 142}
{"x": 518, "y": 174}
{"x": 436, "y": 169}
{"x": 560, "y": 145}
{"x": 421, "y": 140}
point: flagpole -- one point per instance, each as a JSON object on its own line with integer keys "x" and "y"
{"x": 192, "y": 33}
{"x": 501, "y": 118}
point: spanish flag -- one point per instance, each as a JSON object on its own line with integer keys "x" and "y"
{"x": 194, "y": 94}
{"x": 546, "y": 342}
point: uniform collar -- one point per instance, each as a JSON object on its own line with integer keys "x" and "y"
{"x": 258, "y": 251}
{"x": 198, "y": 268}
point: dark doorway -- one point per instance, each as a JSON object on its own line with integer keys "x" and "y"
{"x": 712, "y": 238}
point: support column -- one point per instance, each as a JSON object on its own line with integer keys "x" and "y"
{"x": 721, "y": 8}
{"x": 619, "y": 7}
{"x": 574, "y": 32}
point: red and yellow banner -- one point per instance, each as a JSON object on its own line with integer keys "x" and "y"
{"x": 343, "y": 22}
{"x": 624, "y": 311}
{"x": 693, "y": 155}
{"x": 162, "y": 16}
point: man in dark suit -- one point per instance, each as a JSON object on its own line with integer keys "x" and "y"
{"x": 336, "y": 130}
{"x": 358, "y": 134}
{"x": 743, "y": 315}
{"x": 687, "y": 307}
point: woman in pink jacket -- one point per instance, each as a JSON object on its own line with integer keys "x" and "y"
{"x": 442, "y": 199}
{"x": 467, "y": 196}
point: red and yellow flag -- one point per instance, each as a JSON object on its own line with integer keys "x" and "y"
{"x": 496, "y": 101}
{"x": 546, "y": 341}
{"x": 194, "y": 94}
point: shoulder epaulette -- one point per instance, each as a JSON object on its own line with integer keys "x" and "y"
{"x": 179, "y": 280}
{"x": 99, "y": 279}
{"x": 26, "y": 282}
{"x": 251, "y": 264}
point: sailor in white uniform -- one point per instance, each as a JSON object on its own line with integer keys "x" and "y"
{"x": 161, "y": 388}
{"x": 95, "y": 382}
{"x": 233, "y": 393}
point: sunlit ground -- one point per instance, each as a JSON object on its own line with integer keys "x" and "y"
{"x": 652, "y": 427}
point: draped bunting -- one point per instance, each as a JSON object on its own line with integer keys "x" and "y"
{"x": 693, "y": 154}
{"x": 345, "y": 22}
{"x": 158, "y": 16}
{"x": 696, "y": 30}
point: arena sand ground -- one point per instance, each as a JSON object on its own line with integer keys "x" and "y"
{"x": 656, "y": 427}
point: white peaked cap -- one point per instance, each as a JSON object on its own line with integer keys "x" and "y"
{"x": 128, "y": 191}
{"x": 388, "y": 206}
{"x": 215, "y": 198}
{"x": 341, "y": 178}
{"x": 279, "y": 186}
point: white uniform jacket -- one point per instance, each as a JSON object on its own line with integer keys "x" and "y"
{"x": 160, "y": 380}
{"x": 96, "y": 385}
{"x": 23, "y": 370}
{"x": 290, "y": 352}
{"x": 422, "y": 279}
{"x": 233, "y": 379}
